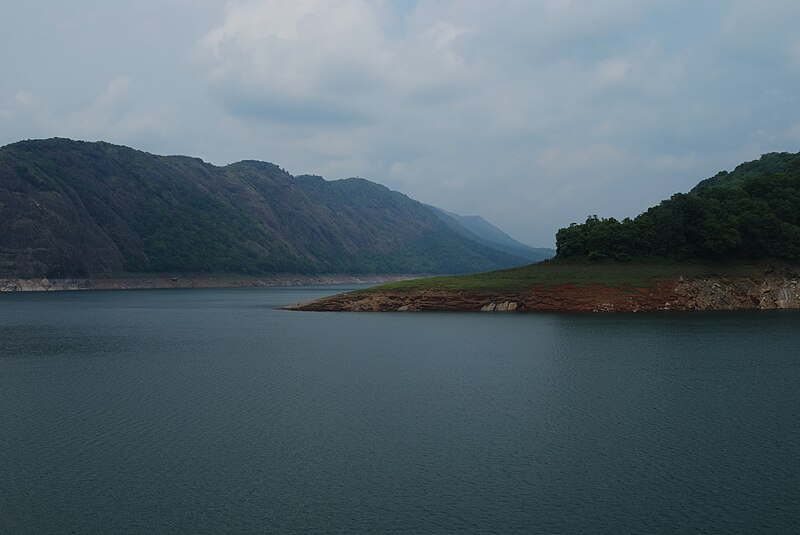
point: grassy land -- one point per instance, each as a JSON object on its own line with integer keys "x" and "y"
{"x": 578, "y": 273}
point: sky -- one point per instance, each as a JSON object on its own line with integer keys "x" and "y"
{"x": 532, "y": 113}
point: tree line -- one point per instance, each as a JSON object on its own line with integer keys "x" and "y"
{"x": 750, "y": 213}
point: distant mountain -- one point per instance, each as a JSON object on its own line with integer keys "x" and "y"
{"x": 478, "y": 229}
{"x": 72, "y": 208}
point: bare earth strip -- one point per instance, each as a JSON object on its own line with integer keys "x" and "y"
{"x": 699, "y": 293}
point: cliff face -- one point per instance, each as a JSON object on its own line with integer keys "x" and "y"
{"x": 707, "y": 293}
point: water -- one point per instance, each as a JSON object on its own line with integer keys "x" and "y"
{"x": 211, "y": 411}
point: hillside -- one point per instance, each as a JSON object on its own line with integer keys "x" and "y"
{"x": 748, "y": 214}
{"x": 70, "y": 208}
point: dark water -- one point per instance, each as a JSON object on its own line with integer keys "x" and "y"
{"x": 211, "y": 411}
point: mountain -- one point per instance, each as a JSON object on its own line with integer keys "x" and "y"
{"x": 478, "y": 229}
{"x": 750, "y": 213}
{"x": 73, "y": 208}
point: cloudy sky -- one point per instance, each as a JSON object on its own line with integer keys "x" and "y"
{"x": 532, "y": 113}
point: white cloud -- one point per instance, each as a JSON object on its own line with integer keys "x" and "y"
{"x": 294, "y": 47}
{"x": 114, "y": 92}
{"x": 329, "y": 58}
{"x": 613, "y": 72}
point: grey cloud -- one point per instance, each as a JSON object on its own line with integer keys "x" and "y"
{"x": 283, "y": 109}
{"x": 532, "y": 113}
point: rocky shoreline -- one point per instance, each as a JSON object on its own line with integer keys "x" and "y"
{"x": 706, "y": 293}
{"x": 140, "y": 282}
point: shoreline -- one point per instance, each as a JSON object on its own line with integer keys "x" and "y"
{"x": 678, "y": 294}
{"x": 148, "y": 282}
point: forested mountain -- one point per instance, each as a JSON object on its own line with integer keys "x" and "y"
{"x": 478, "y": 229}
{"x": 71, "y": 208}
{"x": 750, "y": 213}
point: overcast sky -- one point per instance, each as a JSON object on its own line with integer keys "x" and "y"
{"x": 531, "y": 113}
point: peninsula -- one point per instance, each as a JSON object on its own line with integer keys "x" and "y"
{"x": 555, "y": 286}
{"x": 732, "y": 242}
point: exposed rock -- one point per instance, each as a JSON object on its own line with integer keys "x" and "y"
{"x": 41, "y": 285}
{"x": 504, "y": 306}
{"x": 208, "y": 281}
{"x": 785, "y": 296}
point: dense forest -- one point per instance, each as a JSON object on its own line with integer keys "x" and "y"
{"x": 70, "y": 208}
{"x": 750, "y": 213}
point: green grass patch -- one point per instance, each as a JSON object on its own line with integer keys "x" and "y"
{"x": 577, "y": 273}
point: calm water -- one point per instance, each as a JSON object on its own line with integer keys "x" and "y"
{"x": 210, "y": 411}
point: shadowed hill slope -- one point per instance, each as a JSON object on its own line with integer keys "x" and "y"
{"x": 71, "y": 208}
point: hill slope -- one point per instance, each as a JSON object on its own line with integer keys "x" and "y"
{"x": 70, "y": 208}
{"x": 750, "y": 213}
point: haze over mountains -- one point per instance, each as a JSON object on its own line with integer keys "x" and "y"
{"x": 71, "y": 208}
{"x": 477, "y": 228}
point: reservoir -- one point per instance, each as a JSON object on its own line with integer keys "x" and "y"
{"x": 213, "y": 411}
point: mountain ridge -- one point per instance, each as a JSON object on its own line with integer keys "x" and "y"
{"x": 78, "y": 208}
